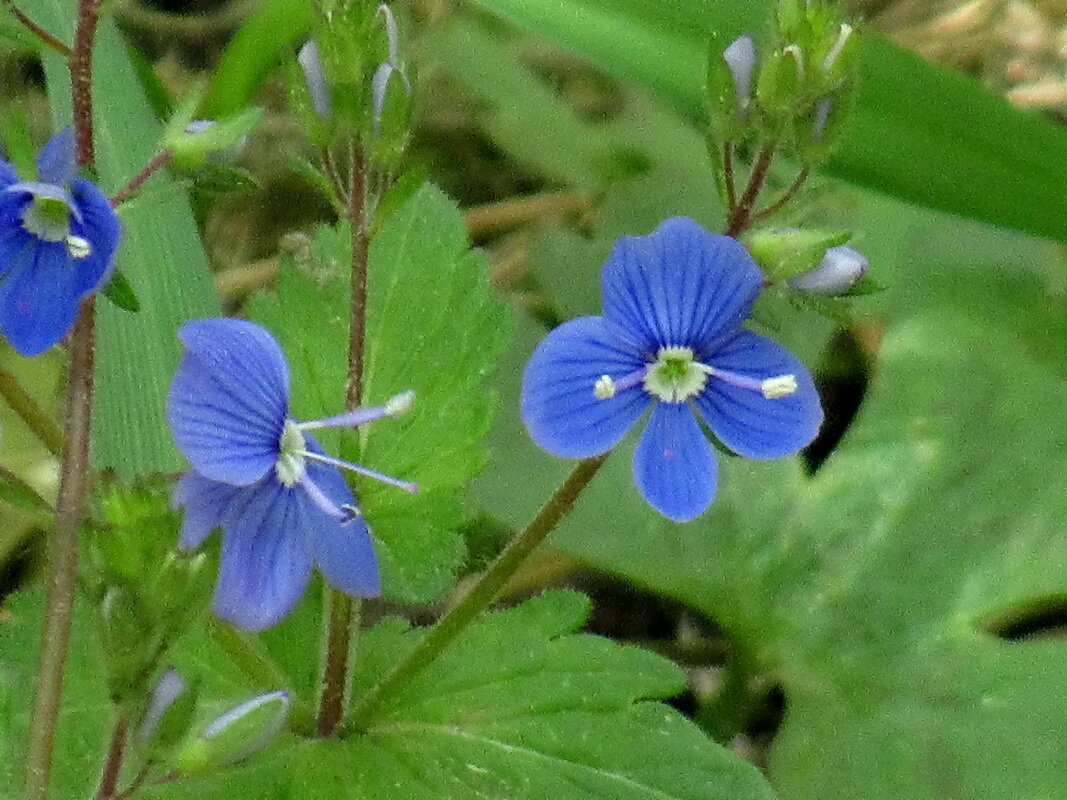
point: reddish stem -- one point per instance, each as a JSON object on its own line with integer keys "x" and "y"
{"x": 109, "y": 780}
{"x": 158, "y": 161}
{"x": 50, "y": 40}
{"x": 741, "y": 214}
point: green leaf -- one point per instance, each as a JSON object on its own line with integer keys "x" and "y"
{"x": 911, "y": 133}
{"x": 867, "y": 591}
{"x": 119, "y": 292}
{"x": 160, "y": 255}
{"x": 519, "y": 707}
{"x": 85, "y": 716}
{"x": 433, "y": 327}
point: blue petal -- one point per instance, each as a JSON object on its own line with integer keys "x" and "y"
{"x": 674, "y": 466}
{"x": 343, "y": 550}
{"x": 14, "y": 239}
{"x": 229, "y": 399}
{"x": 99, "y": 225}
{"x": 265, "y": 562}
{"x": 558, "y": 406}
{"x": 746, "y": 421}
{"x": 7, "y": 174}
{"x": 204, "y": 503}
{"x": 56, "y": 160}
{"x": 38, "y": 300}
{"x": 678, "y": 286}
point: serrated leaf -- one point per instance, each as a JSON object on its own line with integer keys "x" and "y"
{"x": 432, "y": 327}
{"x": 160, "y": 255}
{"x": 519, "y": 708}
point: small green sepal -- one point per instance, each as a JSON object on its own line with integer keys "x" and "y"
{"x": 786, "y": 253}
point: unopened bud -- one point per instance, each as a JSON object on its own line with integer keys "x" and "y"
{"x": 315, "y": 78}
{"x": 740, "y": 58}
{"x": 839, "y": 271}
{"x": 167, "y": 715}
{"x": 237, "y": 734}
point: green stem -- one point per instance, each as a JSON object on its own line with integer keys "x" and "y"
{"x": 340, "y": 627}
{"x": 741, "y": 214}
{"x": 116, "y": 751}
{"x": 63, "y": 560}
{"x": 31, "y": 413}
{"x": 482, "y": 594}
{"x": 74, "y": 470}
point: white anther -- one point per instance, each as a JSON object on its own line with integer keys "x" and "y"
{"x": 77, "y": 246}
{"x": 779, "y": 386}
{"x": 604, "y": 388}
{"x": 399, "y": 404}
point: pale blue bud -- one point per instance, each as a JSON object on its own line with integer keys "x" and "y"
{"x": 167, "y": 689}
{"x": 840, "y": 270}
{"x": 308, "y": 58}
{"x": 740, "y": 57}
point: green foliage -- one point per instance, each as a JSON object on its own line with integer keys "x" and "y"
{"x": 85, "y": 716}
{"x": 868, "y": 591}
{"x": 910, "y": 134}
{"x": 160, "y": 256}
{"x": 433, "y": 327}
{"x": 518, "y": 708}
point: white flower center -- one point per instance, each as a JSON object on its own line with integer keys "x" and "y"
{"x": 47, "y": 218}
{"x": 291, "y": 465}
{"x": 675, "y": 376}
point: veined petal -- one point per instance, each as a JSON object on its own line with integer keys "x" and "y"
{"x": 204, "y": 503}
{"x": 746, "y": 421}
{"x": 56, "y": 161}
{"x": 38, "y": 301}
{"x": 678, "y": 286}
{"x": 99, "y": 226}
{"x": 343, "y": 550}
{"x": 265, "y": 562}
{"x": 674, "y": 466}
{"x": 229, "y": 399}
{"x": 558, "y": 405}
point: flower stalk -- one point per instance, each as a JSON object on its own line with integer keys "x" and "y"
{"x": 48, "y": 39}
{"x": 74, "y": 471}
{"x": 22, "y": 403}
{"x": 343, "y": 613}
{"x": 116, "y": 751}
{"x": 483, "y": 593}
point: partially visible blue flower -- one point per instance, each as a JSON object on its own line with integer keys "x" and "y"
{"x": 262, "y": 478}
{"x": 670, "y": 341}
{"x": 58, "y": 237}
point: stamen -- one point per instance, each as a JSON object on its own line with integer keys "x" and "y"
{"x": 407, "y": 486}
{"x": 842, "y": 37}
{"x": 770, "y": 388}
{"x": 394, "y": 407}
{"x": 77, "y": 246}
{"x": 324, "y": 503}
{"x": 779, "y": 386}
{"x": 607, "y": 387}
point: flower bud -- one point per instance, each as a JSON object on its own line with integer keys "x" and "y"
{"x": 786, "y": 253}
{"x": 315, "y": 78}
{"x": 838, "y": 273}
{"x": 740, "y": 58}
{"x": 167, "y": 714}
{"x": 223, "y": 155}
{"x": 237, "y": 734}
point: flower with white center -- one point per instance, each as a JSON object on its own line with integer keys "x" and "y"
{"x": 670, "y": 341}
{"x": 262, "y": 478}
{"x": 58, "y": 237}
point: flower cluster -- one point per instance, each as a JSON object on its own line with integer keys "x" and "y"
{"x": 262, "y": 478}
{"x": 58, "y": 237}
{"x": 670, "y": 342}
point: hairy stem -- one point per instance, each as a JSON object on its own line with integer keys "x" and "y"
{"x": 116, "y": 751}
{"x": 37, "y": 30}
{"x": 63, "y": 560}
{"x": 156, "y": 163}
{"x": 334, "y": 683}
{"x": 74, "y": 471}
{"x": 20, "y": 401}
{"x": 483, "y": 593}
{"x": 729, "y": 181}
{"x": 741, "y": 214}
{"x": 783, "y": 198}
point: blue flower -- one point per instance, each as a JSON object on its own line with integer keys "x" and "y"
{"x": 58, "y": 236}
{"x": 670, "y": 339}
{"x": 262, "y": 478}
